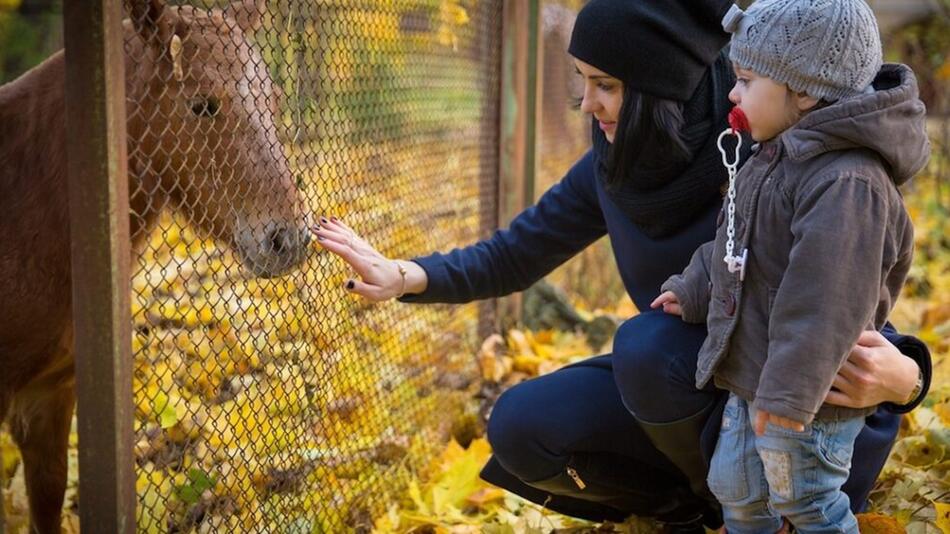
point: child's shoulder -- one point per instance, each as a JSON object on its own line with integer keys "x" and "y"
{"x": 842, "y": 164}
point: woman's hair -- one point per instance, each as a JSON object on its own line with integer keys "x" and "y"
{"x": 648, "y": 136}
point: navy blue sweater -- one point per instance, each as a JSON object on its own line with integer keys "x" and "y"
{"x": 566, "y": 219}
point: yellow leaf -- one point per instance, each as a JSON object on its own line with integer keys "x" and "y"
{"x": 943, "y": 516}
{"x": 416, "y": 495}
{"x": 943, "y": 73}
{"x": 527, "y": 363}
{"x": 485, "y": 495}
{"x": 879, "y": 524}
{"x": 10, "y": 455}
{"x": 518, "y": 342}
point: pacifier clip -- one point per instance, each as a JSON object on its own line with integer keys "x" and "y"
{"x": 738, "y": 123}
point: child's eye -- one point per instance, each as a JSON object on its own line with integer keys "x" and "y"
{"x": 743, "y": 81}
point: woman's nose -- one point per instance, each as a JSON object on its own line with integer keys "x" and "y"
{"x": 588, "y": 103}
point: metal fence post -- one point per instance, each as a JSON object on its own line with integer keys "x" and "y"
{"x": 99, "y": 218}
{"x": 520, "y": 103}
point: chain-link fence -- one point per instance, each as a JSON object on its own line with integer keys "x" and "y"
{"x": 267, "y": 398}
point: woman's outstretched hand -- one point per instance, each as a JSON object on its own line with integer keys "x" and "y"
{"x": 380, "y": 278}
{"x": 875, "y": 372}
{"x": 669, "y": 302}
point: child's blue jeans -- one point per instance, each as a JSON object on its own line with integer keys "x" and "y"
{"x": 784, "y": 473}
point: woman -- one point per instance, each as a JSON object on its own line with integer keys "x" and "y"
{"x": 626, "y": 433}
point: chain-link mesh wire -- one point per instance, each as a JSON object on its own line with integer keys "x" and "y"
{"x": 267, "y": 398}
{"x": 564, "y": 136}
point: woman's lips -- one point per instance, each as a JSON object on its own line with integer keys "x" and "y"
{"x": 605, "y": 126}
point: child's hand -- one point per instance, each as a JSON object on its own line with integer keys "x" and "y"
{"x": 670, "y": 303}
{"x": 762, "y": 417}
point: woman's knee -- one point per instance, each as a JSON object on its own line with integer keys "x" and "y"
{"x": 654, "y": 359}
{"x": 504, "y": 432}
{"x": 516, "y": 435}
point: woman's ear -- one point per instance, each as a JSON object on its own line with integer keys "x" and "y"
{"x": 804, "y": 102}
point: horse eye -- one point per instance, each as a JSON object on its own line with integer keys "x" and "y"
{"x": 204, "y": 106}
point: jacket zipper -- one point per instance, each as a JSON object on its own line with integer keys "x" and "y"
{"x": 571, "y": 472}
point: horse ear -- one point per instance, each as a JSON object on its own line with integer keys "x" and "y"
{"x": 247, "y": 14}
{"x": 145, "y": 15}
{"x": 174, "y": 50}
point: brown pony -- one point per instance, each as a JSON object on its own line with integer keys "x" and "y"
{"x": 202, "y": 141}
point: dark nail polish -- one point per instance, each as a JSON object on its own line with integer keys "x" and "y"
{"x": 350, "y": 284}
{"x": 319, "y": 238}
{"x": 334, "y": 219}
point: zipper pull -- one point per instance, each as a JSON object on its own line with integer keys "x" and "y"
{"x": 577, "y": 479}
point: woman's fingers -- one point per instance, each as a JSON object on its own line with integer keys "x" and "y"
{"x": 332, "y": 235}
{"x": 354, "y": 242}
{"x": 839, "y": 398}
{"x": 369, "y": 291}
{"x": 336, "y": 225}
{"x": 842, "y": 384}
{"x": 344, "y": 233}
{"x": 860, "y": 356}
{"x": 848, "y": 371}
{"x": 359, "y": 263}
{"x": 872, "y": 338}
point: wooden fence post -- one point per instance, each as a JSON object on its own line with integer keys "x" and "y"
{"x": 519, "y": 122}
{"x": 99, "y": 219}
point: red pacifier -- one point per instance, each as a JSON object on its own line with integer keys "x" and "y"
{"x": 738, "y": 120}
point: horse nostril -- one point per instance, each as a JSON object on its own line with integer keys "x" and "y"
{"x": 280, "y": 241}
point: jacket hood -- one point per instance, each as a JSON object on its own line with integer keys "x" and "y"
{"x": 890, "y": 120}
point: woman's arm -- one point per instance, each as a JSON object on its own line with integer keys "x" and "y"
{"x": 564, "y": 221}
{"x": 883, "y": 368}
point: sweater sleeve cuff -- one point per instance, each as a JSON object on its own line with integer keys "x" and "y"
{"x": 437, "y": 281}
{"x": 917, "y": 351}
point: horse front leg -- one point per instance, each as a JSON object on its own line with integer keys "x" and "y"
{"x": 41, "y": 420}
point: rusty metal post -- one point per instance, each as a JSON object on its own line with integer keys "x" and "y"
{"x": 99, "y": 218}
{"x": 520, "y": 104}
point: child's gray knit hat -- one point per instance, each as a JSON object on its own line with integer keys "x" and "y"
{"x": 829, "y": 49}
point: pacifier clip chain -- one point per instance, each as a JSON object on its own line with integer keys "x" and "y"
{"x": 737, "y": 121}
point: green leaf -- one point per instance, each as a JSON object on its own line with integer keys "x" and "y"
{"x": 165, "y": 409}
{"x": 200, "y": 480}
{"x": 187, "y": 494}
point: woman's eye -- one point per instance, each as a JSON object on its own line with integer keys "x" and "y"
{"x": 605, "y": 87}
{"x": 204, "y": 106}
